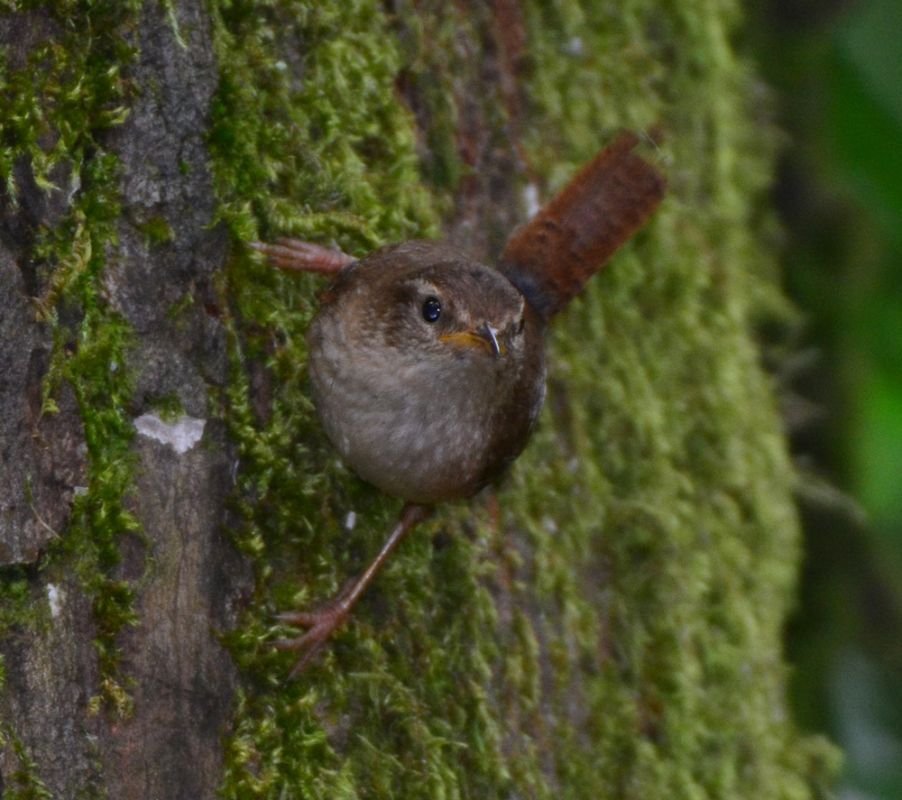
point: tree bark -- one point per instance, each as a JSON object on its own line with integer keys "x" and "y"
{"x": 605, "y": 624}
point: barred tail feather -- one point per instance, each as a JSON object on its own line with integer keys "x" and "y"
{"x": 551, "y": 257}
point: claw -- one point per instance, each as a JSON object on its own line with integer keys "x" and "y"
{"x": 304, "y": 619}
{"x": 320, "y": 624}
{"x": 309, "y": 646}
{"x": 323, "y": 622}
{"x": 305, "y": 640}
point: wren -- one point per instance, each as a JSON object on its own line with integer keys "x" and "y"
{"x": 427, "y": 366}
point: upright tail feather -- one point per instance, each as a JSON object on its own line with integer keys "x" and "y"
{"x": 551, "y": 257}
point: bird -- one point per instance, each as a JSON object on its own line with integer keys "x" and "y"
{"x": 427, "y": 366}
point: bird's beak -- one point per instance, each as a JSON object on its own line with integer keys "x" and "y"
{"x": 484, "y": 337}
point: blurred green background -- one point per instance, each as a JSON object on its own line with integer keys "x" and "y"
{"x": 837, "y": 73}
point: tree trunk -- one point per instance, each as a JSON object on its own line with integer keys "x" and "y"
{"x": 605, "y": 623}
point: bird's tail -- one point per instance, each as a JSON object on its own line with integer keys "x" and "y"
{"x": 551, "y": 257}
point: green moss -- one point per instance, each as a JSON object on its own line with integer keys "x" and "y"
{"x": 169, "y": 407}
{"x": 21, "y": 783}
{"x": 660, "y": 540}
{"x": 333, "y": 159}
{"x": 70, "y": 91}
{"x": 296, "y": 162}
{"x": 663, "y": 422}
{"x": 17, "y": 601}
{"x": 431, "y": 67}
{"x": 157, "y": 231}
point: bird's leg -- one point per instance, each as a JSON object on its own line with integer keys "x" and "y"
{"x": 296, "y": 256}
{"x": 323, "y": 622}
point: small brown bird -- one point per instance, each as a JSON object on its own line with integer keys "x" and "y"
{"x": 428, "y": 367}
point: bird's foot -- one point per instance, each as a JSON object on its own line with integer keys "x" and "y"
{"x": 323, "y": 622}
{"x": 297, "y": 256}
{"x": 320, "y": 623}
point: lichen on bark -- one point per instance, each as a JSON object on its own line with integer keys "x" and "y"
{"x": 64, "y": 87}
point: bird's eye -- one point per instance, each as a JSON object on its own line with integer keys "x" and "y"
{"x": 432, "y": 309}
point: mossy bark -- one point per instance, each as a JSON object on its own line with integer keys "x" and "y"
{"x": 605, "y": 623}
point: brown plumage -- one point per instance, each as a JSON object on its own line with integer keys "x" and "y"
{"x": 551, "y": 257}
{"x": 428, "y": 367}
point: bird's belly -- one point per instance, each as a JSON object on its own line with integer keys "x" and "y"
{"x": 423, "y": 446}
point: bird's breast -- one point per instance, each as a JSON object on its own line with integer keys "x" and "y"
{"x": 417, "y": 429}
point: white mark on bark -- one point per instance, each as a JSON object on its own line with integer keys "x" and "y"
{"x": 54, "y": 600}
{"x": 180, "y": 435}
{"x": 574, "y": 47}
{"x": 351, "y": 521}
{"x": 531, "y": 199}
